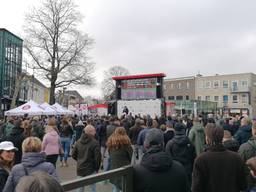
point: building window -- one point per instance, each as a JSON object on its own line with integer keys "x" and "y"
{"x": 225, "y": 84}
{"x": 208, "y": 84}
{"x": 207, "y": 98}
{"x": 188, "y": 85}
{"x": 225, "y": 98}
{"x": 171, "y": 98}
{"x": 244, "y": 83}
{"x": 179, "y": 97}
{"x": 216, "y": 84}
{"x": 187, "y": 97}
{"x": 200, "y": 84}
{"x": 234, "y": 85}
{"x": 199, "y": 98}
{"x": 234, "y": 99}
{"x": 244, "y": 98}
{"x": 216, "y": 98}
{"x": 179, "y": 85}
{"x": 164, "y": 87}
{"x": 172, "y": 86}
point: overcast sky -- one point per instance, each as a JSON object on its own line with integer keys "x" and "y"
{"x": 177, "y": 37}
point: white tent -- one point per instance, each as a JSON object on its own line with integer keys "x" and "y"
{"x": 61, "y": 110}
{"x": 31, "y": 108}
{"x": 48, "y": 109}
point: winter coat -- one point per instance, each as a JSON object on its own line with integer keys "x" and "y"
{"x": 231, "y": 145}
{"x": 119, "y": 158}
{"x": 182, "y": 150}
{"x": 51, "y": 143}
{"x": 79, "y": 130}
{"x": 66, "y": 131}
{"x": 31, "y": 162}
{"x": 219, "y": 170}
{"x": 248, "y": 149}
{"x": 168, "y": 135}
{"x": 3, "y": 178}
{"x": 134, "y": 133}
{"x": 37, "y": 129}
{"x": 102, "y": 134}
{"x": 87, "y": 154}
{"x": 16, "y": 137}
{"x": 158, "y": 172}
{"x": 197, "y": 137}
{"x": 243, "y": 134}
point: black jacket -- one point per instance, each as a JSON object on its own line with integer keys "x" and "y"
{"x": 3, "y": 178}
{"x": 183, "y": 151}
{"x": 158, "y": 172}
{"x": 87, "y": 154}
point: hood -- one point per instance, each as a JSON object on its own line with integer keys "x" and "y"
{"x": 252, "y": 142}
{"x": 198, "y": 127}
{"x": 85, "y": 138}
{"x": 33, "y": 159}
{"x": 156, "y": 160}
{"x": 80, "y": 123}
{"x": 181, "y": 139}
{"x": 246, "y": 128}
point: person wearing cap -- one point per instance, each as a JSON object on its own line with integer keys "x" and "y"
{"x": 182, "y": 150}
{"x": 157, "y": 170}
{"x": 6, "y": 161}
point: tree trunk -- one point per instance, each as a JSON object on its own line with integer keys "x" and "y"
{"x": 52, "y": 93}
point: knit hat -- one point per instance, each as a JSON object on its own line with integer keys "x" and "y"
{"x": 179, "y": 127}
{"x": 154, "y": 137}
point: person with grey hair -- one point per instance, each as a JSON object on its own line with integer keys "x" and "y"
{"x": 38, "y": 181}
{"x": 157, "y": 171}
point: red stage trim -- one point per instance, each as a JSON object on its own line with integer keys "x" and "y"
{"x": 139, "y": 76}
{"x": 98, "y": 106}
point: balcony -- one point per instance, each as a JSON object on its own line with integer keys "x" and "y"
{"x": 239, "y": 89}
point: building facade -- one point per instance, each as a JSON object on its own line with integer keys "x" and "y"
{"x": 33, "y": 89}
{"x": 10, "y": 65}
{"x": 234, "y": 93}
{"x": 179, "y": 88}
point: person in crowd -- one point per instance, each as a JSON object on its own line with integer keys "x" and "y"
{"x": 182, "y": 150}
{"x": 169, "y": 132}
{"x": 248, "y": 149}
{"x": 155, "y": 124}
{"x": 66, "y": 133}
{"x": 133, "y": 135}
{"x": 218, "y": 169}
{"x": 244, "y": 132}
{"x": 230, "y": 143}
{"x": 157, "y": 171}
{"x": 251, "y": 163}
{"x": 32, "y": 160}
{"x": 125, "y": 110}
{"x": 197, "y": 136}
{"x": 38, "y": 181}
{"x": 51, "y": 142}
{"x": 37, "y": 129}
{"x": 120, "y": 153}
{"x": 87, "y": 154}
{"x": 6, "y": 161}
{"x": 79, "y": 127}
{"x": 27, "y": 128}
{"x": 16, "y": 137}
{"x": 7, "y": 127}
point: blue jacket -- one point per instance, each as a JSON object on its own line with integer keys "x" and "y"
{"x": 31, "y": 162}
{"x": 243, "y": 134}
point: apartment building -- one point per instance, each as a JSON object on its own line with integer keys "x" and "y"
{"x": 179, "y": 88}
{"x": 234, "y": 93}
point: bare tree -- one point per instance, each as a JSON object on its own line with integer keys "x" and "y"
{"x": 58, "y": 49}
{"x": 108, "y": 84}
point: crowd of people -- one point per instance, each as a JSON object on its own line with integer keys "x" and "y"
{"x": 171, "y": 153}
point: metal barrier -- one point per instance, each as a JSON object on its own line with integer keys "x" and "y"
{"x": 125, "y": 172}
